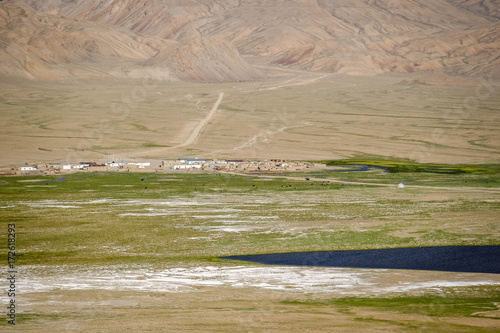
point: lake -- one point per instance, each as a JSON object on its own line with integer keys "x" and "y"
{"x": 474, "y": 259}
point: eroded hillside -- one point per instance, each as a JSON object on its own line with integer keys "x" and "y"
{"x": 207, "y": 40}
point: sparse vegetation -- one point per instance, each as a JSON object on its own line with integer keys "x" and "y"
{"x": 89, "y": 220}
{"x": 430, "y": 306}
{"x": 274, "y": 121}
{"x": 61, "y": 215}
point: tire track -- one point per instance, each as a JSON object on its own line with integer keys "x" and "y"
{"x": 202, "y": 124}
{"x": 196, "y": 132}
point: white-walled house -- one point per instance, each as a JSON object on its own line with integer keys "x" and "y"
{"x": 191, "y": 160}
{"x": 113, "y": 164}
{"x": 28, "y": 168}
{"x": 140, "y": 164}
{"x": 80, "y": 166}
{"x": 186, "y": 166}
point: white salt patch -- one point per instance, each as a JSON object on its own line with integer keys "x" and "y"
{"x": 202, "y": 238}
{"x": 181, "y": 202}
{"x": 226, "y": 229}
{"x": 205, "y": 217}
{"x": 354, "y": 201}
{"x": 40, "y": 185}
{"x": 437, "y": 285}
{"x": 100, "y": 201}
{"x": 339, "y": 281}
{"x": 146, "y": 214}
{"x": 47, "y": 204}
{"x": 224, "y": 221}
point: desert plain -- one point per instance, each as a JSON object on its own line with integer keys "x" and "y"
{"x": 294, "y": 115}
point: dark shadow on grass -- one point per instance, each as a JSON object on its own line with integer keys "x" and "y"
{"x": 473, "y": 259}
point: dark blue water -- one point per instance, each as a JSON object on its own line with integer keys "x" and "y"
{"x": 474, "y": 259}
{"x": 54, "y": 181}
{"x": 358, "y": 168}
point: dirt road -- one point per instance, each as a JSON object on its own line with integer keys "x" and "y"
{"x": 196, "y": 132}
{"x": 202, "y": 124}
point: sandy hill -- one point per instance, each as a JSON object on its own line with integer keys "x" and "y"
{"x": 36, "y": 42}
{"x": 41, "y": 46}
{"x": 204, "y": 40}
{"x": 487, "y": 8}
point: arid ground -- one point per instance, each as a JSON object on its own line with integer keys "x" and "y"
{"x": 296, "y": 115}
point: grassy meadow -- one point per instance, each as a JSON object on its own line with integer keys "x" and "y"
{"x": 123, "y": 228}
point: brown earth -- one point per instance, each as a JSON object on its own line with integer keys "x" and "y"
{"x": 225, "y": 309}
{"x": 296, "y": 115}
{"x": 48, "y": 47}
{"x": 203, "y": 40}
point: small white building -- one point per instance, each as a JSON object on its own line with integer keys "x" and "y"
{"x": 28, "y": 168}
{"x": 191, "y": 160}
{"x": 186, "y": 166}
{"x": 401, "y": 185}
{"x": 113, "y": 164}
{"x": 141, "y": 164}
{"x": 80, "y": 166}
{"x": 66, "y": 167}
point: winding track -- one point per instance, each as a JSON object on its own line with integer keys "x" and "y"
{"x": 195, "y": 134}
{"x": 202, "y": 124}
{"x": 290, "y": 82}
{"x": 300, "y": 80}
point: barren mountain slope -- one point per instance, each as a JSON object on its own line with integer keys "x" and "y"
{"x": 361, "y": 37}
{"x": 42, "y": 46}
{"x": 46, "y": 46}
{"x": 358, "y": 37}
{"x": 157, "y": 17}
{"x": 487, "y": 8}
{"x": 206, "y": 59}
{"x": 343, "y": 36}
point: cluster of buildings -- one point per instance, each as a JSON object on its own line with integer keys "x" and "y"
{"x": 57, "y": 168}
{"x": 182, "y": 164}
{"x": 93, "y": 166}
{"x": 272, "y": 165}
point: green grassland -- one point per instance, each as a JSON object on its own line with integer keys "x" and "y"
{"x": 99, "y": 219}
{"x": 451, "y": 304}
{"x": 64, "y": 220}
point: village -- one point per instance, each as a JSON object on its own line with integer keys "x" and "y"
{"x": 181, "y": 165}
